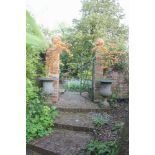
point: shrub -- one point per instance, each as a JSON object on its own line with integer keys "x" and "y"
{"x": 121, "y": 63}
{"x": 101, "y": 148}
{"x": 75, "y": 86}
{"x": 39, "y": 116}
{"x": 39, "y": 120}
{"x": 101, "y": 119}
{"x": 117, "y": 126}
{"x": 113, "y": 99}
{"x": 72, "y": 86}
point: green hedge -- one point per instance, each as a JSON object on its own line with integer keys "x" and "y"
{"x": 39, "y": 116}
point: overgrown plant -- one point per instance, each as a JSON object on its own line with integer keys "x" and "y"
{"x": 101, "y": 119}
{"x": 101, "y": 148}
{"x": 39, "y": 119}
{"x": 117, "y": 126}
{"x": 39, "y": 116}
{"x": 113, "y": 99}
{"x": 74, "y": 86}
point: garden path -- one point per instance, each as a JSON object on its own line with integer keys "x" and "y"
{"x": 73, "y": 127}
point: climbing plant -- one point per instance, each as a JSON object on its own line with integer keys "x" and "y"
{"x": 100, "y": 19}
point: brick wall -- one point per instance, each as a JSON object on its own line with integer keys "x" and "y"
{"x": 119, "y": 87}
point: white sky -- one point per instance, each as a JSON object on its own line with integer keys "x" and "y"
{"x": 50, "y": 13}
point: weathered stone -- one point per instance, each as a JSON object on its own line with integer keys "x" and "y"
{"x": 47, "y": 83}
{"x": 62, "y": 142}
{"x": 78, "y": 121}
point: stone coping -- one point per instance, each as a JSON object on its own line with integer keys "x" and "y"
{"x": 47, "y": 78}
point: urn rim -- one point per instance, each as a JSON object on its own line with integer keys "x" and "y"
{"x": 107, "y": 81}
{"x": 47, "y": 78}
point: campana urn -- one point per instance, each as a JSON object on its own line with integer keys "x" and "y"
{"x": 105, "y": 91}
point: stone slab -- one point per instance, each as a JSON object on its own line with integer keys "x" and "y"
{"x": 76, "y": 101}
{"x": 31, "y": 152}
{"x": 62, "y": 142}
{"x": 75, "y": 121}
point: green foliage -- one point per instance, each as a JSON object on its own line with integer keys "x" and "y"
{"x": 99, "y": 19}
{"x": 113, "y": 98}
{"x": 32, "y": 90}
{"x": 74, "y": 86}
{"x": 32, "y": 57}
{"x": 39, "y": 120}
{"x": 101, "y": 120}
{"x": 39, "y": 117}
{"x": 101, "y": 148}
{"x": 117, "y": 126}
{"x": 35, "y": 45}
{"x": 102, "y": 19}
{"x": 34, "y": 34}
{"x": 122, "y": 64}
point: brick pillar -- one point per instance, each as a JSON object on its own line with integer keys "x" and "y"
{"x": 52, "y": 68}
{"x": 53, "y": 62}
{"x": 54, "y": 72}
{"x": 98, "y": 75}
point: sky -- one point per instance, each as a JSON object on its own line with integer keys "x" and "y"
{"x": 50, "y": 13}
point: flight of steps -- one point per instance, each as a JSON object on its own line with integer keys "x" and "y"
{"x": 73, "y": 127}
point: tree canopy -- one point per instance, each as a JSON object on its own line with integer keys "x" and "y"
{"x": 100, "y": 19}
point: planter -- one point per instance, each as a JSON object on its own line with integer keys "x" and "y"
{"x": 47, "y": 83}
{"x": 105, "y": 91}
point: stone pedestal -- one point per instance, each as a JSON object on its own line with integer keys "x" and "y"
{"x": 47, "y": 85}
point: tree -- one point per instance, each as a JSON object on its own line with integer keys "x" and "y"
{"x": 102, "y": 18}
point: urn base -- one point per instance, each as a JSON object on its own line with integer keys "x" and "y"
{"x": 105, "y": 104}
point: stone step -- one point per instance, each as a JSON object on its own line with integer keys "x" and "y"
{"x": 61, "y": 142}
{"x": 75, "y": 121}
{"x": 32, "y": 152}
{"x": 74, "y": 102}
{"x": 82, "y": 109}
